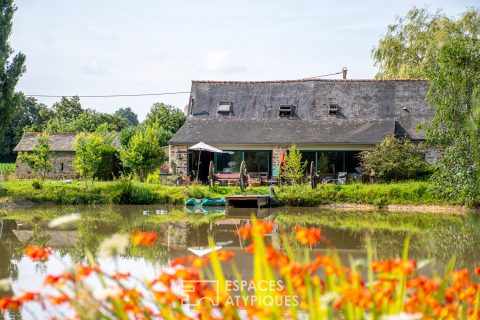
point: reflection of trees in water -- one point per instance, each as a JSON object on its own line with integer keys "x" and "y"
{"x": 440, "y": 241}
{"x": 432, "y": 236}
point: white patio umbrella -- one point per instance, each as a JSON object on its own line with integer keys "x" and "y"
{"x": 202, "y": 146}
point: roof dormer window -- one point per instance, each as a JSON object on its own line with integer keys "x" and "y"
{"x": 333, "y": 109}
{"x": 224, "y": 107}
{"x": 285, "y": 110}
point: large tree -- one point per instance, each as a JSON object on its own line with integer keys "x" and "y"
{"x": 455, "y": 94}
{"x": 11, "y": 66}
{"x": 168, "y": 117}
{"x": 28, "y": 116}
{"x": 128, "y": 115}
{"x": 68, "y": 115}
{"x": 412, "y": 44}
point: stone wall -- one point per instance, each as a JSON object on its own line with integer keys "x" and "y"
{"x": 62, "y": 167}
{"x": 277, "y": 155}
{"x": 178, "y": 159}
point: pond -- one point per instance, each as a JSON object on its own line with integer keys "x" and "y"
{"x": 434, "y": 237}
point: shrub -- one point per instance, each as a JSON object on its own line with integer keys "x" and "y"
{"x": 36, "y": 184}
{"x": 396, "y": 160}
{"x": 153, "y": 177}
{"x": 294, "y": 166}
{"x": 456, "y": 176}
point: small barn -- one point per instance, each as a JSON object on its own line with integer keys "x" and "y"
{"x": 62, "y": 154}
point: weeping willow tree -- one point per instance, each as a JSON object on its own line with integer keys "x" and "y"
{"x": 411, "y": 45}
{"x": 455, "y": 94}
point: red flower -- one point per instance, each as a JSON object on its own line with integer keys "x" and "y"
{"x": 477, "y": 271}
{"x": 37, "y": 253}
{"x": 308, "y": 236}
{"x": 144, "y": 238}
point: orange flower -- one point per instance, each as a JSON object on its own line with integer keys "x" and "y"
{"x": 225, "y": 255}
{"x": 181, "y": 261}
{"x": 37, "y": 253}
{"x": 85, "y": 270}
{"x": 9, "y": 304}
{"x": 59, "y": 299}
{"x": 245, "y": 231}
{"x": 308, "y": 236}
{"x": 59, "y": 280}
{"x": 120, "y": 276}
{"x": 261, "y": 228}
{"x": 477, "y": 271}
{"x": 395, "y": 266}
{"x": 144, "y": 238}
{"x": 28, "y": 296}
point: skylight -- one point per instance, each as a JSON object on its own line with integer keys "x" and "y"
{"x": 224, "y": 107}
{"x": 333, "y": 109}
{"x": 285, "y": 110}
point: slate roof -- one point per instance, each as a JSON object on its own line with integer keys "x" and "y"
{"x": 367, "y": 111}
{"x": 280, "y": 131}
{"x": 59, "y": 141}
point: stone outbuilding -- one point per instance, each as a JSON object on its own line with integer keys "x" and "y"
{"x": 62, "y": 154}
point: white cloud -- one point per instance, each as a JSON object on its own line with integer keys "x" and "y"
{"x": 221, "y": 61}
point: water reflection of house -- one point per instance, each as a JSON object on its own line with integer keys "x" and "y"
{"x": 329, "y": 120}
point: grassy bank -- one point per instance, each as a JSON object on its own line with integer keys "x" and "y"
{"x": 124, "y": 192}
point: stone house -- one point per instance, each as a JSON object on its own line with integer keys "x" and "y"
{"x": 330, "y": 121}
{"x": 62, "y": 154}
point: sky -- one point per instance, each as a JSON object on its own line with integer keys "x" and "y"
{"x": 91, "y": 47}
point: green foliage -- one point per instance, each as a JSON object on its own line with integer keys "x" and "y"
{"x": 69, "y": 116}
{"x": 376, "y": 194}
{"x": 36, "y": 184}
{"x": 6, "y": 168}
{"x": 168, "y": 117}
{"x": 454, "y": 88}
{"x": 29, "y": 115}
{"x": 127, "y": 134}
{"x": 294, "y": 166}
{"x": 153, "y": 177}
{"x": 128, "y": 115}
{"x": 122, "y": 191}
{"x": 455, "y": 94}
{"x": 127, "y": 191}
{"x": 144, "y": 152}
{"x": 456, "y": 177}
{"x": 411, "y": 46}
{"x": 88, "y": 155}
{"x": 109, "y": 166}
{"x": 396, "y": 160}
{"x": 39, "y": 158}
{"x": 11, "y": 67}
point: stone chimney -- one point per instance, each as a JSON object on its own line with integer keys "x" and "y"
{"x": 344, "y": 73}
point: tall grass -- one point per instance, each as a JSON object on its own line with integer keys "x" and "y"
{"x": 134, "y": 192}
